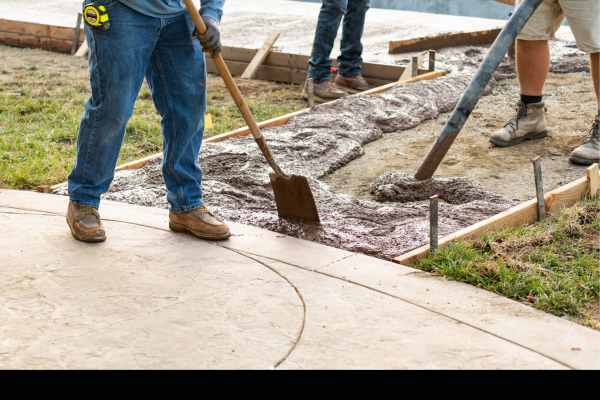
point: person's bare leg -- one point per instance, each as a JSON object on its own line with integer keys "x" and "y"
{"x": 595, "y": 70}
{"x": 533, "y": 64}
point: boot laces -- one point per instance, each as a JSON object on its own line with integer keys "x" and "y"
{"x": 594, "y": 134}
{"x": 88, "y": 210}
{"x": 521, "y": 113}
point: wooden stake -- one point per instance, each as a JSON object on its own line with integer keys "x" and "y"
{"x": 258, "y": 59}
{"x": 433, "y": 222}
{"x": 43, "y": 189}
{"x": 539, "y": 188}
{"x": 76, "y": 37}
{"x": 311, "y": 92}
{"x": 431, "y": 60}
{"x": 592, "y": 172}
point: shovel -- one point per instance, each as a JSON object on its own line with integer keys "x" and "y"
{"x": 293, "y": 196}
{"x": 469, "y": 99}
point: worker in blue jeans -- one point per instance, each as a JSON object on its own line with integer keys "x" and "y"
{"x": 349, "y": 78}
{"x": 151, "y": 39}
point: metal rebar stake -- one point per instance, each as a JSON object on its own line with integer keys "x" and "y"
{"x": 433, "y": 222}
{"x": 311, "y": 92}
{"x": 539, "y": 188}
{"x": 415, "y": 66}
{"x": 431, "y": 60}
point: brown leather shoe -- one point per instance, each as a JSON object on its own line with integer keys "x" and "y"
{"x": 85, "y": 223}
{"x": 199, "y": 222}
{"x": 356, "y": 84}
{"x": 324, "y": 92}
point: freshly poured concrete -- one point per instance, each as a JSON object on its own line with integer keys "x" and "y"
{"x": 150, "y": 298}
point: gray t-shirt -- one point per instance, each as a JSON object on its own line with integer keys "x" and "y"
{"x": 172, "y": 8}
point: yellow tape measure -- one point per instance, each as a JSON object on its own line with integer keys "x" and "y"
{"x": 95, "y": 16}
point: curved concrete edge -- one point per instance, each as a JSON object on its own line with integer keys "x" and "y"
{"x": 147, "y": 299}
{"x": 495, "y": 315}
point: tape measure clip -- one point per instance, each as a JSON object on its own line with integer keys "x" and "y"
{"x": 95, "y": 15}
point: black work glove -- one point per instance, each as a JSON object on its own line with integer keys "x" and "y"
{"x": 211, "y": 40}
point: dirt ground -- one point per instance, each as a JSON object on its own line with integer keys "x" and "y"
{"x": 571, "y": 106}
{"x": 14, "y": 61}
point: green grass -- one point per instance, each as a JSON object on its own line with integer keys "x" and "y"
{"x": 553, "y": 265}
{"x": 40, "y": 114}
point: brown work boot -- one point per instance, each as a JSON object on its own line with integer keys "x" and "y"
{"x": 356, "y": 84}
{"x": 85, "y": 223}
{"x": 529, "y": 123}
{"x": 199, "y": 222}
{"x": 324, "y": 92}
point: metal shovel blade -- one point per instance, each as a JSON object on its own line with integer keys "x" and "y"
{"x": 293, "y": 197}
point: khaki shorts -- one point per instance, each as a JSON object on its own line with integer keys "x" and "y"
{"x": 583, "y": 17}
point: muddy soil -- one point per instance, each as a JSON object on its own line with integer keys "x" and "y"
{"x": 508, "y": 171}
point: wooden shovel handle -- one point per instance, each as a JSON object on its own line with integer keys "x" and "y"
{"x": 235, "y": 93}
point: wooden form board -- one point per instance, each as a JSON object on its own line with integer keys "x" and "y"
{"x": 473, "y": 38}
{"x": 260, "y": 56}
{"x": 525, "y": 213}
{"x": 271, "y": 122}
{"x": 293, "y": 68}
{"x": 40, "y": 36}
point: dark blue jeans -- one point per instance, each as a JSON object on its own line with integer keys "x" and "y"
{"x": 330, "y": 16}
{"x": 160, "y": 49}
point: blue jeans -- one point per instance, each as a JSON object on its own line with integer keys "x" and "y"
{"x": 330, "y": 16}
{"x": 160, "y": 49}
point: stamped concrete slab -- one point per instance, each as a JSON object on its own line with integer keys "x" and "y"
{"x": 144, "y": 299}
{"x": 149, "y": 298}
{"x": 357, "y": 327}
{"x": 535, "y": 330}
{"x": 247, "y": 238}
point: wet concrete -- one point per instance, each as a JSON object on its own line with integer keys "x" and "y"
{"x": 236, "y": 184}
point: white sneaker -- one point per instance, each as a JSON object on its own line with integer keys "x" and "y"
{"x": 589, "y": 152}
{"x": 528, "y": 124}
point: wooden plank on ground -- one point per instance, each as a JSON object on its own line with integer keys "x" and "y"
{"x": 39, "y": 30}
{"x": 260, "y": 56}
{"x": 525, "y": 213}
{"x": 83, "y": 50}
{"x": 387, "y": 72}
{"x": 473, "y": 38}
{"x": 409, "y": 71}
{"x": 507, "y": 2}
{"x": 35, "y": 42}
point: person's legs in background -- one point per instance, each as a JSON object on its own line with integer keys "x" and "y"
{"x": 319, "y": 65}
{"x": 328, "y": 25}
{"x": 351, "y": 45}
